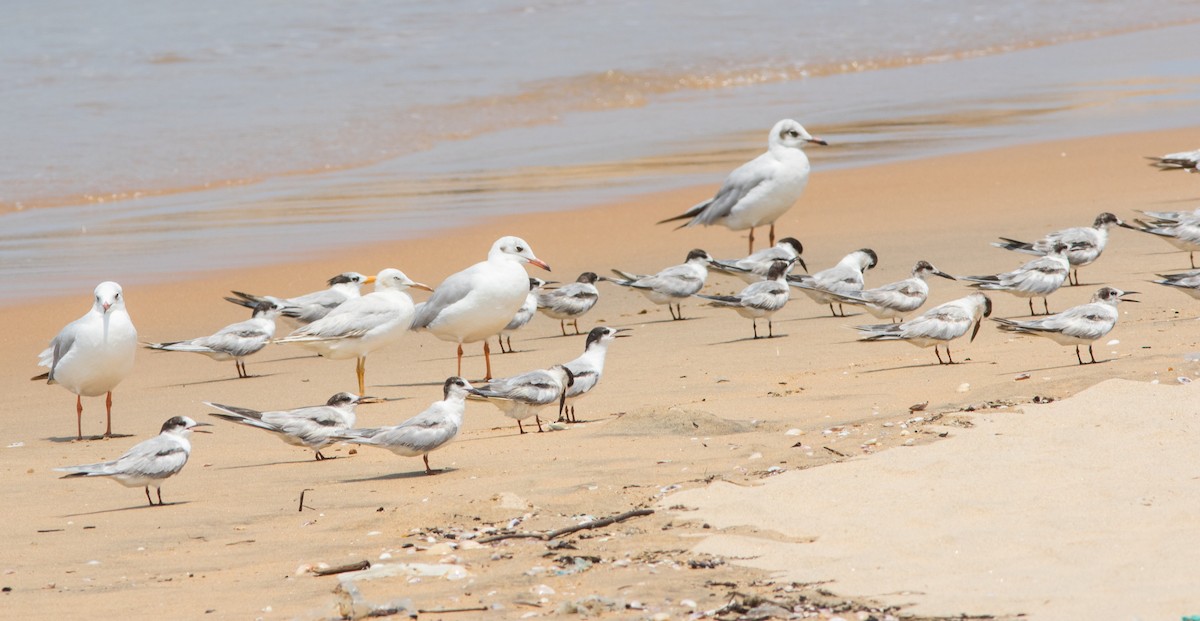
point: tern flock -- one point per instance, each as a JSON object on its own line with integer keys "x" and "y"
{"x": 497, "y": 297}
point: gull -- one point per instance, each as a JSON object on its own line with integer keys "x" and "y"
{"x": 587, "y": 368}
{"x": 936, "y": 326}
{"x": 233, "y": 342}
{"x": 521, "y": 396}
{"x": 1184, "y": 234}
{"x": 754, "y": 268}
{"x": 362, "y": 325}
{"x": 759, "y": 300}
{"x": 149, "y": 462}
{"x": 1176, "y": 161}
{"x": 570, "y": 301}
{"x": 895, "y": 300}
{"x": 305, "y": 309}
{"x": 1078, "y": 325}
{"x": 312, "y": 427}
{"x": 845, "y": 278}
{"x": 671, "y": 284}
{"x": 476, "y": 303}
{"x": 759, "y": 191}
{"x": 1084, "y": 243}
{"x": 1036, "y": 279}
{"x": 92, "y": 354}
{"x": 526, "y": 313}
{"x": 424, "y": 433}
{"x": 1188, "y": 282}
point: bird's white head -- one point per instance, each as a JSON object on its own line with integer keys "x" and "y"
{"x": 109, "y": 296}
{"x": 515, "y": 248}
{"x": 182, "y": 425}
{"x": 790, "y": 134}
{"x": 392, "y": 278}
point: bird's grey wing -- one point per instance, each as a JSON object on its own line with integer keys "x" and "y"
{"x": 943, "y": 323}
{"x": 767, "y": 296}
{"x": 354, "y": 318}
{"x": 238, "y": 340}
{"x": 156, "y": 458}
{"x": 451, "y": 291}
{"x": 533, "y": 387}
{"x": 59, "y": 347}
{"x": 677, "y": 280}
{"x": 741, "y": 182}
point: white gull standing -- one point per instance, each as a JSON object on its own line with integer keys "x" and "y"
{"x": 1078, "y": 325}
{"x": 149, "y": 462}
{"x": 936, "y": 326}
{"x": 1084, "y": 243}
{"x": 670, "y": 285}
{"x": 234, "y": 342}
{"x": 476, "y": 303}
{"x": 362, "y": 325}
{"x": 92, "y": 354}
{"x": 422, "y": 434}
{"x": 758, "y": 192}
{"x": 312, "y": 427}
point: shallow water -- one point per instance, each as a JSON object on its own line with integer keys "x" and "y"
{"x": 303, "y": 126}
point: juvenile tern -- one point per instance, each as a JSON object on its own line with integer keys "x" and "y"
{"x": 521, "y": 396}
{"x": 936, "y": 326}
{"x": 476, "y": 303}
{"x": 305, "y": 309}
{"x": 759, "y": 300}
{"x": 1184, "y": 234}
{"x": 233, "y": 342}
{"x": 1176, "y": 161}
{"x": 422, "y": 434}
{"x": 759, "y": 191}
{"x": 526, "y": 313}
{"x": 587, "y": 368}
{"x": 570, "y": 301}
{"x": 896, "y": 300}
{"x": 845, "y": 278}
{"x": 1084, "y": 243}
{"x": 92, "y": 354}
{"x": 149, "y": 462}
{"x": 754, "y": 268}
{"x": 1188, "y": 283}
{"x": 1036, "y": 279}
{"x": 1078, "y": 325}
{"x": 362, "y": 325}
{"x": 671, "y": 284}
{"x": 311, "y": 427}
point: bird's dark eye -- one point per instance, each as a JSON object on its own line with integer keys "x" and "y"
{"x": 793, "y": 133}
{"x": 520, "y": 249}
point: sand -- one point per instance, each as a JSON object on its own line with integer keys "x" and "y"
{"x": 234, "y": 544}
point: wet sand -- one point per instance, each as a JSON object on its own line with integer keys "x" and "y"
{"x": 682, "y": 404}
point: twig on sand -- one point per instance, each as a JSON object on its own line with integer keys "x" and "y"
{"x": 341, "y": 569}
{"x": 554, "y": 534}
{"x": 834, "y": 451}
{"x": 434, "y": 611}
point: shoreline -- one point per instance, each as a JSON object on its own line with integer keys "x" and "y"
{"x": 682, "y": 403}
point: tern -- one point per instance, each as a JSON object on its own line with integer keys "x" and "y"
{"x": 1084, "y": 243}
{"x": 670, "y": 285}
{"x": 233, "y": 342}
{"x": 845, "y": 278}
{"x": 759, "y": 300}
{"x": 587, "y": 368}
{"x": 1078, "y": 325}
{"x": 524, "y": 315}
{"x": 936, "y": 326}
{"x": 895, "y": 300}
{"x": 1036, "y": 279}
{"x": 521, "y": 396}
{"x": 754, "y": 268}
{"x": 312, "y": 427}
{"x": 570, "y": 301}
{"x": 305, "y": 309}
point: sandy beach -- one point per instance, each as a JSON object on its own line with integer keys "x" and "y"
{"x": 788, "y": 428}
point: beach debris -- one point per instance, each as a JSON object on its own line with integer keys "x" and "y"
{"x": 963, "y": 387}
{"x": 1023, "y": 376}
{"x": 835, "y": 451}
{"x": 352, "y": 605}
{"x": 1183, "y": 380}
{"x": 341, "y": 569}
{"x": 918, "y": 407}
{"x": 554, "y": 534}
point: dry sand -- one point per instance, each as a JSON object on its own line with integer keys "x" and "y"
{"x": 682, "y": 404}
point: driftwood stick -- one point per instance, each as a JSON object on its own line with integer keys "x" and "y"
{"x": 341, "y": 569}
{"x": 554, "y": 534}
{"x": 433, "y": 611}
